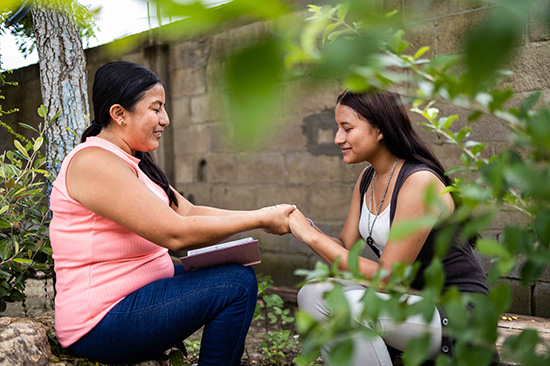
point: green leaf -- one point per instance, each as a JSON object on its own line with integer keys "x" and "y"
{"x": 5, "y": 224}
{"x": 314, "y": 8}
{"x": 475, "y": 116}
{"x": 177, "y": 358}
{"x": 28, "y": 127}
{"x": 421, "y": 51}
{"x": 417, "y": 350}
{"x": 341, "y": 353}
{"x": 491, "y": 43}
{"x": 329, "y": 29}
{"x": 492, "y": 248}
{"x": 23, "y": 260}
{"x": 21, "y": 149}
{"x": 353, "y": 257}
{"x": 342, "y": 10}
{"x": 38, "y": 143}
{"x": 5, "y": 249}
{"x": 42, "y": 111}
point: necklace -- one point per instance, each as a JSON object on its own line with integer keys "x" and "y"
{"x": 370, "y": 240}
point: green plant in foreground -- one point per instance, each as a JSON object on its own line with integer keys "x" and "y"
{"x": 270, "y": 308}
{"x": 24, "y": 215}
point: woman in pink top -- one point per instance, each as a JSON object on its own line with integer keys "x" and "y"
{"x": 115, "y": 216}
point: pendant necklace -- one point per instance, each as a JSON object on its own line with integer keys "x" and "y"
{"x": 370, "y": 240}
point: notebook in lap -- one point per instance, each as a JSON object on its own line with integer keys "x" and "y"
{"x": 244, "y": 251}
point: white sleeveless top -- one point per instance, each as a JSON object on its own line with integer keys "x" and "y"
{"x": 381, "y": 229}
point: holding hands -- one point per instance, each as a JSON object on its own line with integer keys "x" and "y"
{"x": 275, "y": 219}
{"x": 301, "y": 227}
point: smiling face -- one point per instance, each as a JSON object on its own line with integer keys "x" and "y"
{"x": 360, "y": 141}
{"x": 146, "y": 122}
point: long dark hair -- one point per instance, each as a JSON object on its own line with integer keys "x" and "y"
{"x": 125, "y": 83}
{"x": 385, "y": 110}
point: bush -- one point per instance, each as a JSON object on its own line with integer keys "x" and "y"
{"x": 25, "y": 249}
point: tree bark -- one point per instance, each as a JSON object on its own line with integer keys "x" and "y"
{"x": 63, "y": 77}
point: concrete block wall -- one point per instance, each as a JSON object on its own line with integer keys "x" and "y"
{"x": 299, "y": 164}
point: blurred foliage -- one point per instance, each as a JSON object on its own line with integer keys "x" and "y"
{"x": 84, "y": 17}
{"x": 362, "y": 45}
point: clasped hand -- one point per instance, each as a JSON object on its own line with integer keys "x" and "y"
{"x": 275, "y": 218}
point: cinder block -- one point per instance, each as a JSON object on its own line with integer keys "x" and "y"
{"x": 258, "y": 168}
{"x": 281, "y": 267}
{"x": 330, "y": 202}
{"x": 421, "y": 34}
{"x": 220, "y": 138}
{"x": 234, "y": 197}
{"x": 306, "y": 169}
{"x": 307, "y": 96}
{"x": 181, "y": 112}
{"x": 538, "y": 23}
{"x": 275, "y": 194}
{"x": 190, "y": 54}
{"x": 227, "y": 42}
{"x": 215, "y": 76}
{"x": 196, "y": 193}
{"x": 531, "y": 69}
{"x": 186, "y": 170}
{"x": 220, "y": 168}
{"x": 192, "y": 140}
{"x": 509, "y": 217}
{"x": 542, "y": 299}
{"x": 206, "y": 108}
{"x": 452, "y": 31}
{"x": 521, "y": 296}
{"x": 286, "y": 135}
{"x": 422, "y": 9}
{"x": 188, "y": 82}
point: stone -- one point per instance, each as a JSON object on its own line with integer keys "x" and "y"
{"x": 452, "y": 31}
{"x": 23, "y": 342}
{"x": 306, "y": 169}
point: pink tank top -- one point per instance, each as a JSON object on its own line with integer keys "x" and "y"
{"x": 97, "y": 262}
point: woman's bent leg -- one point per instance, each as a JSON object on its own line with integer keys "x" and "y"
{"x": 372, "y": 351}
{"x": 165, "y": 312}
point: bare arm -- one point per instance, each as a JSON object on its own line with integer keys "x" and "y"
{"x": 186, "y": 208}
{"x": 410, "y": 206}
{"x": 111, "y": 189}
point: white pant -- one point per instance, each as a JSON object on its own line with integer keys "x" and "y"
{"x": 371, "y": 351}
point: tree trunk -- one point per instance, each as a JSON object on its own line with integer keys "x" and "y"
{"x": 63, "y": 77}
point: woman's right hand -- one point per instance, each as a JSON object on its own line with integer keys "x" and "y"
{"x": 301, "y": 227}
{"x": 275, "y": 218}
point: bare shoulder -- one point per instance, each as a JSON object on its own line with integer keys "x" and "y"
{"x": 415, "y": 186}
{"x": 95, "y": 160}
{"x": 422, "y": 179}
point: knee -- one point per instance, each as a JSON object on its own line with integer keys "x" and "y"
{"x": 245, "y": 277}
{"x": 310, "y": 299}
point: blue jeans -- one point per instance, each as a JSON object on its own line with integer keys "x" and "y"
{"x": 165, "y": 312}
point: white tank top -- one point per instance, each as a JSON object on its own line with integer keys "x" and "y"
{"x": 381, "y": 229}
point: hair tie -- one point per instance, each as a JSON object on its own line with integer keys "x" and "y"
{"x": 96, "y": 123}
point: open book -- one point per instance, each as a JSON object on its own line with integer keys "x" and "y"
{"x": 244, "y": 251}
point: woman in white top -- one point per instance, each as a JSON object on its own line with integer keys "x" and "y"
{"x": 374, "y": 127}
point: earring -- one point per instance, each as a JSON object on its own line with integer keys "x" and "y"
{"x": 123, "y": 124}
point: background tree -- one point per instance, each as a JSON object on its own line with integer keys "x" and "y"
{"x": 63, "y": 76}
